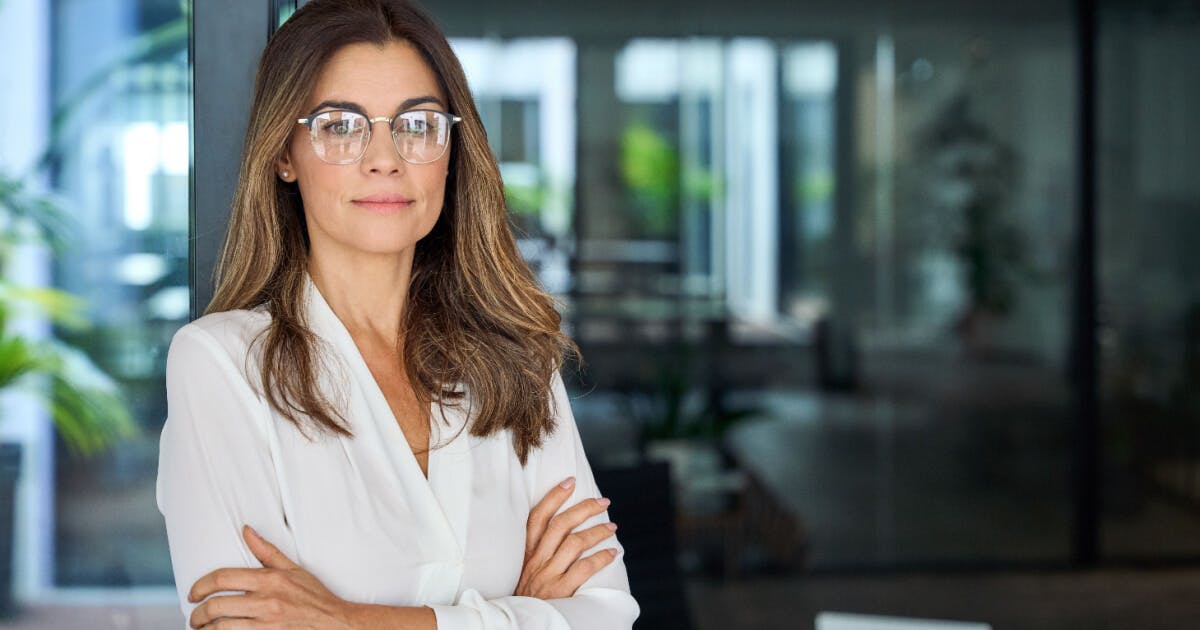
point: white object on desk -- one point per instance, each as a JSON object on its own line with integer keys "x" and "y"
{"x": 845, "y": 621}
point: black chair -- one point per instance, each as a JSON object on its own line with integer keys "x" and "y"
{"x": 644, "y": 508}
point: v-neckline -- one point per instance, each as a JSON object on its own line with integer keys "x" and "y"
{"x": 395, "y": 418}
{"x": 446, "y": 493}
{"x": 375, "y": 391}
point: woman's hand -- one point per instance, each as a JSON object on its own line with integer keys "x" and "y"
{"x": 279, "y": 595}
{"x": 553, "y": 567}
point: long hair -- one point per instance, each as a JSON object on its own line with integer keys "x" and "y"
{"x": 475, "y": 315}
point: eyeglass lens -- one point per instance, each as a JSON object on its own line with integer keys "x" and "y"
{"x": 340, "y": 137}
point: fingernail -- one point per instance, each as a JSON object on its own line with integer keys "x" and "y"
{"x": 612, "y": 527}
{"x": 570, "y": 481}
{"x": 252, "y": 532}
{"x": 604, "y": 502}
{"x": 612, "y": 552}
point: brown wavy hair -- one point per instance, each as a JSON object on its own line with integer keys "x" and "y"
{"x": 475, "y": 315}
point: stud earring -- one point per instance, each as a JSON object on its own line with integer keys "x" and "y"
{"x": 285, "y": 174}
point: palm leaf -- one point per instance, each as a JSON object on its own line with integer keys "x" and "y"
{"x": 16, "y": 360}
{"x": 61, "y": 308}
{"x": 86, "y": 405}
{"x": 17, "y": 204}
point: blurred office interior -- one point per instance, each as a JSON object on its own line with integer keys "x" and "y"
{"x": 901, "y": 292}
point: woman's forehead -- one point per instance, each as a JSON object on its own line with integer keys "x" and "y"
{"x": 379, "y": 78}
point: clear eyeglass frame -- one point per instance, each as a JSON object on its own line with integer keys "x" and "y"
{"x": 442, "y": 140}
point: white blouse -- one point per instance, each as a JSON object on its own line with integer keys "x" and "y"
{"x": 357, "y": 512}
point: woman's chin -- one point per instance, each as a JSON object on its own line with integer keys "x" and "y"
{"x": 386, "y": 242}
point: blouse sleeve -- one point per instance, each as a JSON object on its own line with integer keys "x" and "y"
{"x": 603, "y": 602}
{"x": 214, "y": 468}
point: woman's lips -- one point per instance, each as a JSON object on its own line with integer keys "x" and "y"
{"x": 383, "y": 204}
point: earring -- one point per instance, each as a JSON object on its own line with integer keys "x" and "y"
{"x": 285, "y": 174}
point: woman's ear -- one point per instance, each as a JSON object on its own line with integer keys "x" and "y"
{"x": 284, "y": 169}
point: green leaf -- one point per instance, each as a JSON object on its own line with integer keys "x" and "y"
{"x": 87, "y": 406}
{"x": 523, "y": 199}
{"x": 17, "y": 359}
{"x": 53, "y": 225}
{"x": 60, "y": 307}
{"x": 650, "y": 171}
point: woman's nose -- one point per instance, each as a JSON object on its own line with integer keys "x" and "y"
{"x": 381, "y": 155}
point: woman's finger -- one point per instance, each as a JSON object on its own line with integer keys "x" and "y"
{"x": 574, "y": 545}
{"x": 268, "y": 554}
{"x": 228, "y": 579}
{"x": 540, "y": 515}
{"x": 585, "y": 568}
{"x": 225, "y": 606}
{"x": 233, "y": 624}
{"x": 563, "y": 524}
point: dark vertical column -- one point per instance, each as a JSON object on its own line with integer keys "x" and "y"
{"x": 597, "y": 156}
{"x": 845, "y": 270}
{"x": 1084, "y": 351}
{"x": 835, "y": 346}
{"x": 227, "y": 37}
{"x": 788, "y": 153}
{"x": 597, "y": 143}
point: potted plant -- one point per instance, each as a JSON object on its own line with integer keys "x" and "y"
{"x": 681, "y": 419}
{"x": 969, "y": 172}
{"x": 86, "y": 406}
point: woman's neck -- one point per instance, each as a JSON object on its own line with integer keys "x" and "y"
{"x": 368, "y": 293}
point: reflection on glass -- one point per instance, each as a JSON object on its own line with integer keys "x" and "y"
{"x": 1149, "y": 221}
{"x": 808, "y": 148}
{"x": 530, "y": 120}
{"x": 122, "y": 164}
{"x": 845, "y": 267}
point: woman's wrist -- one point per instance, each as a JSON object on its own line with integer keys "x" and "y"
{"x": 370, "y": 616}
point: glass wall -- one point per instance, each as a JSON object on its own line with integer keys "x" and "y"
{"x": 1148, "y": 222}
{"x": 120, "y": 159}
{"x": 937, "y": 431}
{"x": 834, "y": 272}
{"x": 531, "y": 129}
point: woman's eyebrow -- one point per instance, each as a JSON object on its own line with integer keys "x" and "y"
{"x": 417, "y": 100}
{"x": 355, "y": 107}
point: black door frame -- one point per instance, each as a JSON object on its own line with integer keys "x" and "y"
{"x": 223, "y": 34}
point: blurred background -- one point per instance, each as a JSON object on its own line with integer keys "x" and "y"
{"x": 885, "y": 307}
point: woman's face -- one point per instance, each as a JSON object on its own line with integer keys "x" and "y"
{"x": 380, "y": 204}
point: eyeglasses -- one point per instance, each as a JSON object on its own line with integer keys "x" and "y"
{"x": 341, "y": 136}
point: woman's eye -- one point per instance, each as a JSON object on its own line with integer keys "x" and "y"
{"x": 337, "y": 128}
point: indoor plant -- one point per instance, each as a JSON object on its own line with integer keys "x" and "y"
{"x": 86, "y": 406}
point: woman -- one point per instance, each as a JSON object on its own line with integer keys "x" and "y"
{"x": 368, "y": 428}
